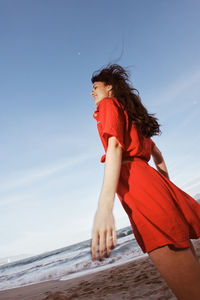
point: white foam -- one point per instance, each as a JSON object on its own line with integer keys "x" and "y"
{"x": 101, "y": 268}
{"x": 66, "y": 264}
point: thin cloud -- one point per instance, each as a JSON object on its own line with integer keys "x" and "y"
{"x": 179, "y": 87}
{"x": 25, "y": 177}
{"x": 193, "y": 190}
{"x": 14, "y": 199}
{"x": 192, "y": 183}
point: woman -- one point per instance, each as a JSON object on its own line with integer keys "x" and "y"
{"x": 163, "y": 217}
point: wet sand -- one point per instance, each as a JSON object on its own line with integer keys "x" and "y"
{"x": 138, "y": 279}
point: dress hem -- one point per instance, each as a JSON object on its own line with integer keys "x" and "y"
{"x": 176, "y": 245}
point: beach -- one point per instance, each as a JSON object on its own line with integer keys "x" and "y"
{"x": 137, "y": 279}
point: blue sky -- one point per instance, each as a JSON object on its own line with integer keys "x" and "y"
{"x": 51, "y": 175}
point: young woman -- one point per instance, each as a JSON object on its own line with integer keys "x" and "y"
{"x": 163, "y": 217}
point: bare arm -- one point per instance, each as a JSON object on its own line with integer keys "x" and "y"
{"x": 159, "y": 161}
{"x": 111, "y": 174}
{"x": 104, "y": 233}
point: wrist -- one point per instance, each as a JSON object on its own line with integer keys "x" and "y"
{"x": 106, "y": 203}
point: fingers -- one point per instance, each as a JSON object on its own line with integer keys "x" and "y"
{"x": 106, "y": 240}
{"x": 102, "y": 244}
{"x": 114, "y": 234}
{"x": 109, "y": 242}
{"x": 95, "y": 242}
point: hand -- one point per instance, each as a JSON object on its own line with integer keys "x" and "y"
{"x": 103, "y": 233}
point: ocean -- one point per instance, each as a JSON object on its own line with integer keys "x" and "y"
{"x": 68, "y": 262}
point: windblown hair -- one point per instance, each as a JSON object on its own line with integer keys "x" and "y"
{"x": 129, "y": 97}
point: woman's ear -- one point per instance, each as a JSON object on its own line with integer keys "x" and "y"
{"x": 109, "y": 87}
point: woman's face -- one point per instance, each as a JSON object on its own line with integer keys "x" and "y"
{"x": 100, "y": 91}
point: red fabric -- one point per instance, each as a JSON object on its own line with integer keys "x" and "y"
{"x": 160, "y": 213}
{"x": 112, "y": 120}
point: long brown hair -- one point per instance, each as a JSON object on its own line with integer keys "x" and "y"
{"x": 128, "y": 96}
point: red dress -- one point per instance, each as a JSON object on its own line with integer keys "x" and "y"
{"x": 160, "y": 213}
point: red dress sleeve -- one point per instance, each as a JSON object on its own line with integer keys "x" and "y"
{"x": 111, "y": 119}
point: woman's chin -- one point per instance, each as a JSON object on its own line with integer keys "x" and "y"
{"x": 97, "y": 102}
